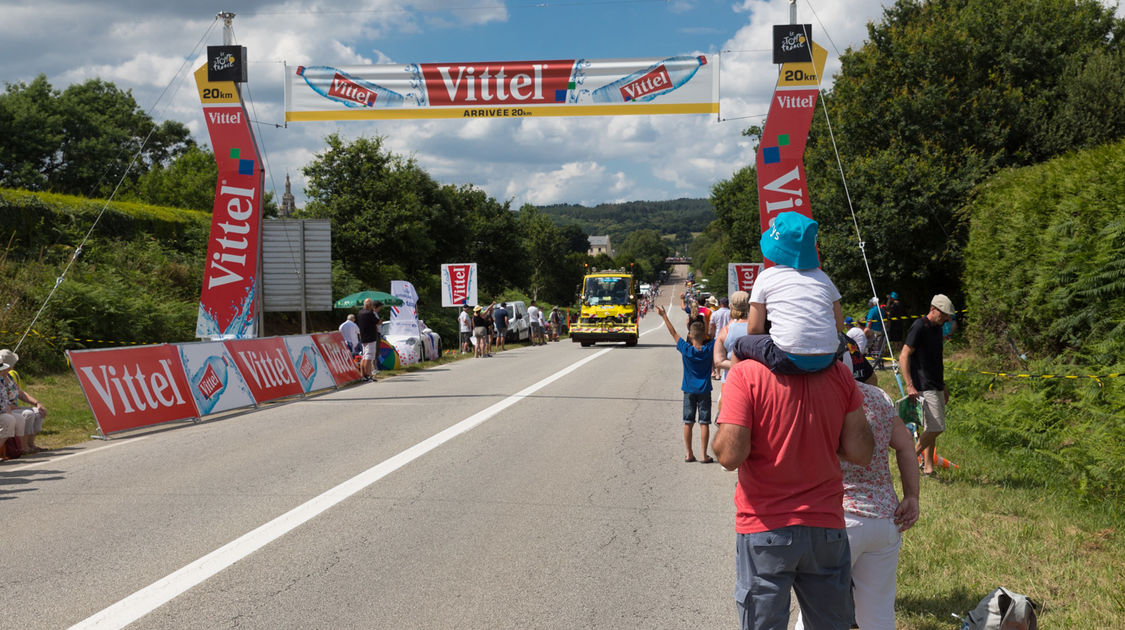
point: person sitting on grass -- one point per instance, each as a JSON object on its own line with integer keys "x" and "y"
{"x": 799, "y": 300}
{"x": 697, "y": 358}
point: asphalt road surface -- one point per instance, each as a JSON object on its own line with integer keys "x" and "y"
{"x": 544, "y": 487}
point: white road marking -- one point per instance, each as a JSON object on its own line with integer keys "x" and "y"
{"x": 55, "y": 460}
{"x": 165, "y": 589}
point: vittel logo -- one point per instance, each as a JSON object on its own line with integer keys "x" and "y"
{"x": 307, "y": 367}
{"x": 337, "y": 357}
{"x": 519, "y": 82}
{"x": 794, "y": 197}
{"x": 267, "y": 370}
{"x": 654, "y": 81}
{"x": 210, "y": 383}
{"x": 232, "y": 117}
{"x": 226, "y": 265}
{"x": 796, "y": 102}
{"x": 349, "y": 90}
{"x": 134, "y": 391}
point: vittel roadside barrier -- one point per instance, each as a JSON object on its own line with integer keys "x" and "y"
{"x": 131, "y": 388}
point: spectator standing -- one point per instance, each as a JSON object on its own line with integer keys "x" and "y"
{"x": 896, "y": 322}
{"x": 734, "y": 330}
{"x": 350, "y": 331}
{"x": 542, "y": 328}
{"x": 873, "y": 514}
{"x": 465, "y": 327}
{"x": 856, "y": 334}
{"x": 556, "y": 323}
{"x": 533, "y": 321}
{"x": 874, "y": 331}
{"x": 368, "y": 322}
{"x": 697, "y": 358}
{"x": 500, "y": 322}
{"x": 25, "y": 422}
{"x": 720, "y": 317}
{"x": 480, "y": 332}
{"x": 924, "y": 373}
{"x": 783, "y": 433}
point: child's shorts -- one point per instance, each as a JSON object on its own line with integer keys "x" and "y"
{"x": 701, "y": 402}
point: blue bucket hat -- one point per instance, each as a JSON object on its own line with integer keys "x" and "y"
{"x": 848, "y": 320}
{"x": 894, "y": 295}
{"x": 791, "y": 241}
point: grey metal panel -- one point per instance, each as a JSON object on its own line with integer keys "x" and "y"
{"x": 282, "y": 264}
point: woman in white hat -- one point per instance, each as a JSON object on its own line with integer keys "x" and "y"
{"x": 25, "y": 422}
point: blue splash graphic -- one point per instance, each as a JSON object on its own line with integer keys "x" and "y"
{"x": 307, "y": 354}
{"x": 241, "y": 327}
{"x": 219, "y": 367}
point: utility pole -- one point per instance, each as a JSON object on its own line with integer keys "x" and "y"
{"x": 228, "y": 33}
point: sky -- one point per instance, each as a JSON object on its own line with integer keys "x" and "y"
{"x": 152, "y": 47}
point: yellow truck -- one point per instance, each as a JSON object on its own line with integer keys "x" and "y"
{"x": 608, "y": 309}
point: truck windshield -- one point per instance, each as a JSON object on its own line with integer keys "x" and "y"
{"x": 606, "y": 291}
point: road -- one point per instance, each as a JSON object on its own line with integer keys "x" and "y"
{"x": 541, "y": 488}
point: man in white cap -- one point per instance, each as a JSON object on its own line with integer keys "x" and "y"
{"x": 924, "y": 373}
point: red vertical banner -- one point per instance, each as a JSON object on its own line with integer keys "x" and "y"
{"x": 780, "y": 163}
{"x": 741, "y": 276}
{"x": 337, "y": 356}
{"x": 227, "y": 305}
{"x": 266, "y": 367}
{"x": 128, "y": 388}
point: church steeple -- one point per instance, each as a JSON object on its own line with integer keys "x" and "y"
{"x": 287, "y": 204}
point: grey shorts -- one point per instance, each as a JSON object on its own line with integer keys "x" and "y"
{"x": 813, "y": 561}
{"x": 933, "y": 410}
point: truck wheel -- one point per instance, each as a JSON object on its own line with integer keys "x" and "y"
{"x": 631, "y": 341}
{"x": 586, "y": 344}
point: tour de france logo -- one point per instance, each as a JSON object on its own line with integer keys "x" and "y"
{"x": 793, "y": 41}
{"x": 222, "y": 61}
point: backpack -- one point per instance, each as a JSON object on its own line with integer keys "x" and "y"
{"x": 1002, "y": 610}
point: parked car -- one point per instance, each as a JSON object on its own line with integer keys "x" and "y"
{"x": 425, "y": 346}
{"x": 519, "y": 329}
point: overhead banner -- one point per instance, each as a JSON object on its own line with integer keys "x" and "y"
{"x": 227, "y": 305}
{"x": 780, "y": 160}
{"x": 741, "y": 276}
{"x": 459, "y": 284}
{"x": 686, "y": 84}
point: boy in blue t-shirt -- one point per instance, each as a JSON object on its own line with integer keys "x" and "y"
{"x": 698, "y": 360}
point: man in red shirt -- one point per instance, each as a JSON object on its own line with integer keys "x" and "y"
{"x": 783, "y": 433}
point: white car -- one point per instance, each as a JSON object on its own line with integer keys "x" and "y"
{"x": 426, "y": 346}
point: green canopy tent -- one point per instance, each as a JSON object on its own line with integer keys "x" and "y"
{"x": 355, "y": 300}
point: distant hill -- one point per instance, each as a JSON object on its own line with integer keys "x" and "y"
{"x": 618, "y": 219}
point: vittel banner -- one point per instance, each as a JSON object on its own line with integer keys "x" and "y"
{"x": 227, "y": 305}
{"x": 459, "y": 284}
{"x": 686, "y": 84}
{"x": 337, "y": 357}
{"x": 780, "y": 163}
{"x": 267, "y": 367}
{"x": 129, "y": 388}
{"x": 741, "y": 276}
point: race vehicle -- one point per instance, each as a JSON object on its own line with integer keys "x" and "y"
{"x": 608, "y": 308}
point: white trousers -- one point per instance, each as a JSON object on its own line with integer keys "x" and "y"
{"x": 874, "y": 543}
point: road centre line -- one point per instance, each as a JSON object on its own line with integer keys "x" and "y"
{"x": 167, "y": 588}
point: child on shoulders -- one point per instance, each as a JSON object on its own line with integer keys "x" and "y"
{"x": 799, "y": 300}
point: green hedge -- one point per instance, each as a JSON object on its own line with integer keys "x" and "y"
{"x": 1045, "y": 263}
{"x": 137, "y": 279}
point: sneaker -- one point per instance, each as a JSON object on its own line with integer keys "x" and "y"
{"x": 367, "y": 379}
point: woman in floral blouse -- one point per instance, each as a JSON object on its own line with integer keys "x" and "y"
{"x": 873, "y": 513}
{"x": 28, "y": 421}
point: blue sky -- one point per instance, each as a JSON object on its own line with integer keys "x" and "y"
{"x": 143, "y": 45}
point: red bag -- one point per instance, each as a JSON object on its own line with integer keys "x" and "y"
{"x": 11, "y": 448}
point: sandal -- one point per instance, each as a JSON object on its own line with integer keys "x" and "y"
{"x": 707, "y": 460}
{"x": 689, "y": 459}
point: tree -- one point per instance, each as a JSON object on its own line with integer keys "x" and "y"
{"x": 187, "y": 182}
{"x": 81, "y": 141}
{"x": 644, "y": 248}
{"x": 381, "y": 205}
{"x": 735, "y": 201}
{"x": 943, "y": 94}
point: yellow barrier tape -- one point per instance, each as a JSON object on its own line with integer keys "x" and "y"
{"x": 1098, "y": 378}
{"x": 50, "y": 338}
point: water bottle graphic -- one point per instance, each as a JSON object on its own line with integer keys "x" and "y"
{"x": 306, "y": 368}
{"x": 208, "y": 384}
{"x": 344, "y": 88}
{"x": 656, "y": 80}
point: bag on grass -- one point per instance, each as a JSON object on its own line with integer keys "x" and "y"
{"x": 10, "y": 448}
{"x": 1002, "y": 610}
